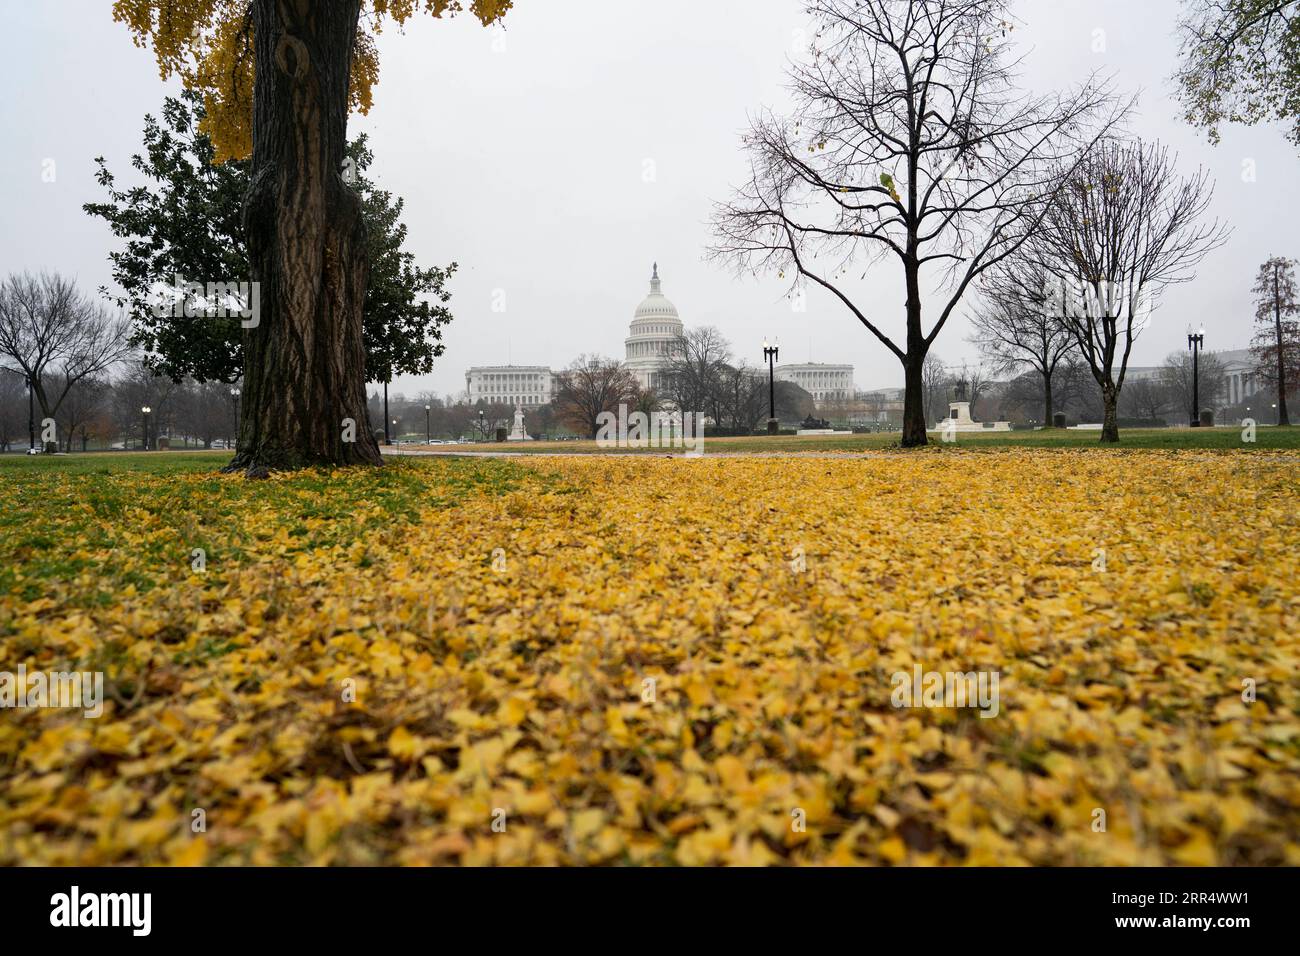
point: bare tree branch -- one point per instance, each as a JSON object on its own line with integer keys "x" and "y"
{"x": 909, "y": 141}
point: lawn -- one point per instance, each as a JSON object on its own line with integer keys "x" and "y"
{"x": 1166, "y": 438}
{"x": 113, "y": 463}
{"x": 648, "y": 661}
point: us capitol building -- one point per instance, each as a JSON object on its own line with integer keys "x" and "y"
{"x": 655, "y": 328}
{"x": 650, "y": 338}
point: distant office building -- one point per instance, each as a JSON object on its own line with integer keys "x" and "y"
{"x": 1240, "y": 375}
{"x": 526, "y": 386}
{"x": 1144, "y": 373}
{"x": 826, "y": 383}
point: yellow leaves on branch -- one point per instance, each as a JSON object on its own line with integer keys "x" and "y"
{"x": 209, "y": 45}
{"x": 650, "y": 678}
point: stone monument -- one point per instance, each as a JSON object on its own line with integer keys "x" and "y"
{"x": 959, "y": 420}
{"x": 517, "y": 433}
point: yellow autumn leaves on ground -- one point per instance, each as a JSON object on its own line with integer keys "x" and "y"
{"x": 650, "y": 661}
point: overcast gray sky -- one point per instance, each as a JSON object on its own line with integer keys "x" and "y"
{"x": 522, "y": 155}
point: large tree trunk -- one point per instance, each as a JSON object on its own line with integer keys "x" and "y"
{"x": 303, "y": 400}
{"x": 914, "y": 410}
{"x": 1110, "y": 418}
{"x": 914, "y": 423}
{"x": 1047, "y": 400}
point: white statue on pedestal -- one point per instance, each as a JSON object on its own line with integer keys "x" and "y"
{"x": 517, "y": 433}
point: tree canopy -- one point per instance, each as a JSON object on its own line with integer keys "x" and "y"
{"x": 1240, "y": 63}
{"x": 1276, "y": 344}
{"x": 184, "y": 186}
{"x": 911, "y": 141}
{"x": 209, "y": 45}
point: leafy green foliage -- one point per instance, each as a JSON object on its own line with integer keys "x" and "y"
{"x": 185, "y": 224}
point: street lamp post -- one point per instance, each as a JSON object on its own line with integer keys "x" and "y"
{"x": 1195, "y": 342}
{"x": 428, "y": 434}
{"x": 387, "y": 438}
{"x": 144, "y": 418}
{"x": 769, "y": 355}
{"x": 482, "y": 425}
{"x": 234, "y": 410}
{"x": 31, "y": 416}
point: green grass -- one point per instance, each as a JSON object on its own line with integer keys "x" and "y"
{"x": 1225, "y": 438}
{"x": 398, "y": 488}
{"x": 111, "y": 462}
{"x": 64, "y": 518}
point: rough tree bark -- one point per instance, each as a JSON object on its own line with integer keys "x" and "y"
{"x": 914, "y": 423}
{"x": 304, "y": 390}
{"x": 1110, "y": 417}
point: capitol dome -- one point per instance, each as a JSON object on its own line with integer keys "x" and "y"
{"x": 654, "y": 330}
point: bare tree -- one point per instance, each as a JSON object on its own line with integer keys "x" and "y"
{"x": 1276, "y": 346}
{"x": 139, "y": 387}
{"x": 1147, "y": 398}
{"x": 489, "y": 416}
{"x": 56, "y": 336}
{"x": 83, "y": 404}
{"x": 13, "y": 409}
{"x": 743, "y": 391}
{"x": 1075, "y": 390}
{"x": 203, "y": 411}
{"x": 1014, "y": 329}
{"x": 910, "y": 141}
{"x": 1122, "y": 228}
{"x": 1022, "y": 397}
{"x": 692, "y": 372}
{"x": 934, "y": 385}
{"x": 590, "y": 386}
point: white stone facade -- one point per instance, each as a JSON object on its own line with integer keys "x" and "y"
{"x": 1241, "y": 377}
{"x": 524, "y": 386}
{"x": 824, "y": 382}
